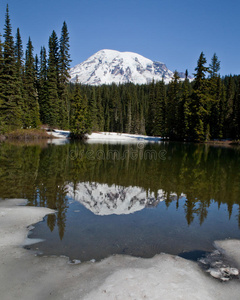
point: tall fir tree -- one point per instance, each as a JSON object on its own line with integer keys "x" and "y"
{"x": 19, "y": 55}
{"x": 200, "y": 102}
{"x": 151, "y": 113}
{"x": 160, "y": 110}
{"x": 229, "y": 114}
{"x": 43, "y": 87}
{"x": 100, "y": 111}
{"x": 236, "y": 113}
{"x": 173, "y": 99}
{"x": 12, "y": 104}
{"x": 1, "y": 87}
{"x": 93, "y": 110}
{"x": 184, "y": 113}
{"x": 53, "y": 81}
{"x": 215, "y": 96}
{"x": 64, "y": 68}
{"x": 31, "y": 96}
{"x": 80, "y": 123}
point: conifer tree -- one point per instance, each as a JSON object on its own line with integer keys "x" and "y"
{"x": 31, "y": 97}
{"x": 159, "y": 127}
{"x": 229, "y": 117}
{"x": 64, "y": 68}
{"x": 80, "y": 116}
{"x": 100, "y": 111}
{"x": 236, "y": 113}
{"x": 184, "y": 114}
{"x": 129, "y": 114}
{"x": 93, "y": 110}
{"x": 1, "y": 87}
{"x": 172, "y": 107}
{"x": 53, "y": 81}
{"x": 11, "y": 108}
{"x": 151, "y": 110}
{"x": 200, "y": 103}
{"x": 43, "y": 88}
{"x": 214, "y": 67}
{"x": 19, "y": 55}
{"x": 215, "y": 96}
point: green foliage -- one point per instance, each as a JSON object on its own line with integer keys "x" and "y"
{"x": 12, "y": 104}
{"x": 53, "y": 80}
{"x": 80, "y": 121}
{"x": 37, "y": 90}
{"x": 31, "y": 96}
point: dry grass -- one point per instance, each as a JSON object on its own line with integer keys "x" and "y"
{"x": 27, "y": 134}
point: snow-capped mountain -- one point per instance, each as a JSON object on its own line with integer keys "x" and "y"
{"x": 102, "y": 199}
{"x": 110, "y": 66}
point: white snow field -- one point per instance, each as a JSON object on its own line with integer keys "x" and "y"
{"x": 110, "y": 66}
{"x": 96, "y": 137}
{"x": 25, "y": 276}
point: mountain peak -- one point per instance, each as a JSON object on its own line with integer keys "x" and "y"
{"x": 110, "y": 66}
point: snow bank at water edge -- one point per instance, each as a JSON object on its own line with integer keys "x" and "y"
{"x": 97, "y": 137}
{"x": 120, "y": 137}
{"x": 26, "y": 276}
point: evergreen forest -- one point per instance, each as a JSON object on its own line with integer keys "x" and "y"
{"x": 35, "y": 90}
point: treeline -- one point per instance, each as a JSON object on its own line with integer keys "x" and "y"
{"x": 36, "y": 90}
{"x": 33, "y": 90}
{"x": 206, "y": 108}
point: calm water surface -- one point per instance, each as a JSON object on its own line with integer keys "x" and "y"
{"x": 130, "y": 199}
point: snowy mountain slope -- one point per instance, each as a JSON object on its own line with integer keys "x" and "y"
{"x": 103, "y": 199}
{"x": 110, "y": 66}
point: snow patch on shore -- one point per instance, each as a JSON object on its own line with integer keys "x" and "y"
{"x": 97, "y": 137}
{"x": 120, "y": 137}
{"x": 25, "y": 276}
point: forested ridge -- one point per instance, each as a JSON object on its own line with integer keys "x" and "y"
{"x": 35, "y": 90}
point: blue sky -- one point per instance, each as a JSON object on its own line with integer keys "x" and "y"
{"x": 172, "y": 31}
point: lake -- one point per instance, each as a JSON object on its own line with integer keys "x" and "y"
{"x": 135, "y": 199}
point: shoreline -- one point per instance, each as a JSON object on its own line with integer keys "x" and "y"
{"x": 29, "y": 135}
{"x": 26, "y": 276}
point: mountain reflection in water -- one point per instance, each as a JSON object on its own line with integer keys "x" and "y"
{"x": 193, "y": 180}
{"x": 102, "y": 199}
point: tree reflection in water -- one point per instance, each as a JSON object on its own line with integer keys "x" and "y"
{"x": 43, "y": 175}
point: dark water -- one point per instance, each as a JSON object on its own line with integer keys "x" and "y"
{"x": 126, "y": 199}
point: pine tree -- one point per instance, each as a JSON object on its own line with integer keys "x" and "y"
{"x": 11, "y": 108}
{"x": 184, "y": 114}
{"x": 200, "y": 103}
{"x": 64, "y": 68}
{"x": 160, "y": 107}
{"x": 214, "y": 67}
{"x": 100, "y": 111}
{"x": 43, "y": 88}
{"x": 129, "y": 114}
{"x": 53, "y": 81}
{"x": 19, "y": 55}
{"x": 229, "y": 114}
{"x": 236, "y": 113}
{"x": 1, "y": 86}
{"x": 173, "y": 99}
{"x": 215, "y": 96}
{"x": 80, "y": 115}
{"x": 151, "y": 110}
{"x": 31, "y": 97}
{"x": 93, "y": 110}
